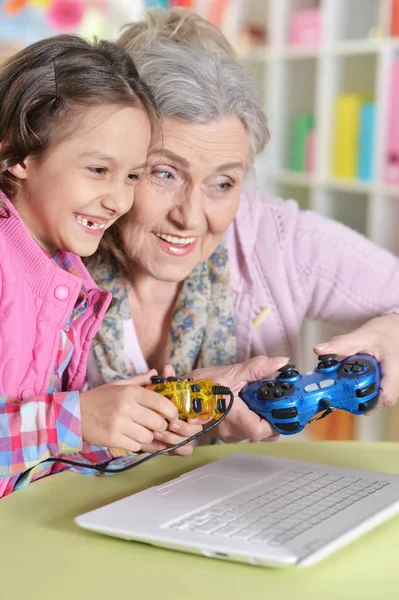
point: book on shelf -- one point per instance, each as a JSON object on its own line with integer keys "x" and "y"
{"x": 347, "y": 127}
{"x": 395, "y": 18}
{"x": 392, "y": 151}
{"x": 366, "y": 141}
{"x": 300, "y": 150}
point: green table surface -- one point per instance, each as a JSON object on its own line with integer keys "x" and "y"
{"x": 45, "y": 555}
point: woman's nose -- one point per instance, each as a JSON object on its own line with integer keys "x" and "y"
{"x": 188, "y": 210}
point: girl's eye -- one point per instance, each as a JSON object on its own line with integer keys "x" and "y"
{"x": 134, "y": 176}
{"x": 98, "y": 170}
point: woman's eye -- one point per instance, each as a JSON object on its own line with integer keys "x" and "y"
{"x": 166, "y": 175}
{"x": 224, "y": 185}
{"x": 98, "y": 170}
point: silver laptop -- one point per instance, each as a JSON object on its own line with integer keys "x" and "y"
{"x": 254, "y": 509}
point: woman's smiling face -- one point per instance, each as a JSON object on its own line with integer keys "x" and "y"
{"x": 188, "y": 198}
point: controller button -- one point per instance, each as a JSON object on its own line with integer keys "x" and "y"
{"x": 348, "y": 367}
{"x": 358, "y": 368}
{"x": 367, "y": 406}
{"x": 195, "y": 388}
{"x": 288, "y": 426}
{"x": 286, "y": 385}
{"x": 197, "y": 405}
{"x": 326, "y": 383}
{"x": 263, "y": 391}
{"x": 366, "y": 391}
{"x": 285, "y": 413}
{"x": 190, "y": 379}
{"x": 278, "y": 394}
{"x": 171, "y": 379}
{"x": 271, "y": 384}
{"x": 221, "y": 405}
{"x": 311, "y": 387}
{"x": 158, "y": 379}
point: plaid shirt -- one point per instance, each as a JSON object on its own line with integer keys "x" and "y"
{"x": 48, "y": 425}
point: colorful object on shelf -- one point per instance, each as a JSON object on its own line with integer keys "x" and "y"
{"x": 25, "y": 21}
{"x": 93, "y": 24}
{"x": 395, "y": 18}
{"x": 152, "y": 3}
{"x": 347, "y": 126}
{"x": 305, "y": 27}
{"x": 183, "y": 3}
{"x": 392, "y": 158}
{"x": 14, "y": 7}
{"x": 39, "y": 2}
{"x": 310, "y": 151}
{"x": 302, "y": 126}
{"x": 66, "y": 15}
{"x": 366, "y": 141}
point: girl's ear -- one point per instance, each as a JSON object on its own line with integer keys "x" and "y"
{"x": 19, "y": 171}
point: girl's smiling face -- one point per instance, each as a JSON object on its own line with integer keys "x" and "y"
{"x": 188, "y": 198}
{"x": 68, "y": 198}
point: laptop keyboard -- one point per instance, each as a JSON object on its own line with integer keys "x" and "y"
{"x": 298, "y": 501}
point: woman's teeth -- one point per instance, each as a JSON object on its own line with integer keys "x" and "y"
{"x": 176, "y": 240}
{"x": 88, "y": 223}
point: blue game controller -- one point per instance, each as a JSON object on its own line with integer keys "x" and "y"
{"x": 292, "y": 400}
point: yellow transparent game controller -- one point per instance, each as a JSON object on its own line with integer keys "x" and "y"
{"x": 201, "y": 399}
{"x": 194, "y": 399}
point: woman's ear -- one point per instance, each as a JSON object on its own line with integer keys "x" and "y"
{"x": 19, "y": 170}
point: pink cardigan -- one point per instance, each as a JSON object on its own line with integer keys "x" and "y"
{"x": 290, "y": 264}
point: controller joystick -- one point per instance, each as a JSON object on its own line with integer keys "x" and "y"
{"x": 288, "y": 372}
{"x": 327, "y": 361}
{"x": 292, "y": 400}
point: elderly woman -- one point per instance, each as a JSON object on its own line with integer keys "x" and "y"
{"x": 207, "y": 271}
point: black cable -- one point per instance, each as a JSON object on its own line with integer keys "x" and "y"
{"x": 103, "y": 467}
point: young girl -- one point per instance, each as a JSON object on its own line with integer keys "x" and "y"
{"x": 75, "y": 125}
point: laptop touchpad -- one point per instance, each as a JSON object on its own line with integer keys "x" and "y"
{"x": 205, "y": 488}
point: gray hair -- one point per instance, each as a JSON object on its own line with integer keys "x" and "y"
{"x": 193, "y": 73}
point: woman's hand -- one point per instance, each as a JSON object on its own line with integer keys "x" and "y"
{"x": 380, "y": 338}
{"x": 241, "y": 423}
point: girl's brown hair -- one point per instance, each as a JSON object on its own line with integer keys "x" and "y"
{"x": 45, "y": 86}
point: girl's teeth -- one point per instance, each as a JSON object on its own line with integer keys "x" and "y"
{"x": 176, "y": 240}
{"x": 89, "y": 224}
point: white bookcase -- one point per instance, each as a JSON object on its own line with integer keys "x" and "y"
{"x": 354, "y": 56}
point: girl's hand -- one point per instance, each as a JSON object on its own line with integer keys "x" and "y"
{"x": 380, "y": 338}
{"x": 177, "y": 433}
{"x": 124, "y": 415}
